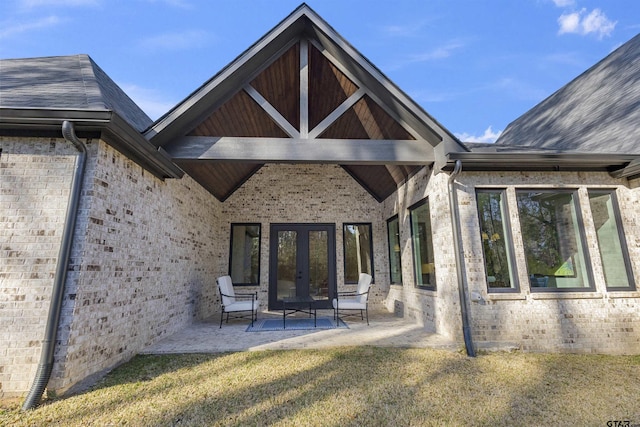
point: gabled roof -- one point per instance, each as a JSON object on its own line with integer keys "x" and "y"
{"x": 38, "y": 94}
{"x": 599, "y": 111}
{"x": 301, "y": 94}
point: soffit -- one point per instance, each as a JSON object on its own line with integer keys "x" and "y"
{"x": 300, "y": 95}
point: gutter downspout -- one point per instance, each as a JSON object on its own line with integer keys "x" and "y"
{"x": 48, "y": 345}
{"x": 462, "y": 290}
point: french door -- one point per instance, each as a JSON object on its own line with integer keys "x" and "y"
{"x": 302, "y": 262}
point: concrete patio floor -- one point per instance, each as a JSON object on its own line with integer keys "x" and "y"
{"x": 384, "y": 330}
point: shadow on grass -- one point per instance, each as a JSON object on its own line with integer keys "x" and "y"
{"x": 356, "y": 386}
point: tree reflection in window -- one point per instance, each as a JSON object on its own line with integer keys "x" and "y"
{"x": 244, "y": 258}
{"x": 611, "y": 242}
{"x": 496, "y": 243}
{"x": 422, "y": 240}
{"x": 358, "y": 252}
{"x": 395, "y": 263}
{"x": 552, "y": 233}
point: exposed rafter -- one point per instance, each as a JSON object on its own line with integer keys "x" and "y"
{"x": 301, "y": 94}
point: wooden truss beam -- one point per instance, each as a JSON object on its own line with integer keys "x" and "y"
{"x": 302, "y": 150}
{"x": 272, "y": 112}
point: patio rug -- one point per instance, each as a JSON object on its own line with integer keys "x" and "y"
{"x": 264, "y": 325}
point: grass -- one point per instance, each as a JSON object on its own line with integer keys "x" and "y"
{"x": 354, "y": 386}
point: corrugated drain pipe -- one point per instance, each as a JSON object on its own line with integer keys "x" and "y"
{"x": 462, "y": 289}
{"x": 48, "y": 345}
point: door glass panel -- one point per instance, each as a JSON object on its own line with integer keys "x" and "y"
{"x": 318, "y": 265}
{"x": 302, "y": 263}
{"x": 287, "y": 253}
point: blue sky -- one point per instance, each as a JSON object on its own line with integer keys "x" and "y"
{"x": 474, "y": 65}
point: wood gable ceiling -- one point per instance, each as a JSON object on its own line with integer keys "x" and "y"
{"x": 299, "y": 104}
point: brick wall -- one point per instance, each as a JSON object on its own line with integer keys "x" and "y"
{"x": 438, "y": 310}
{"x": 35, "y": 178}
{"x": 600, "y": 321}
{"x": 143, "y": 268}
{"x": 147, "y": 253}
{"x": 142, "y": 263}
{"x": 308, "y": 194}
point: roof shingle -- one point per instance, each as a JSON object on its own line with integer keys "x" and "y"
{"x": 65, "y": 82}
{"x": 599, "y": 111}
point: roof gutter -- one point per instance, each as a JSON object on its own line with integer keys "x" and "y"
{"x": 462, "y": 289}
{"x": 48, "y": 345}
{"x": 114, "y": 130}
{"x": 538, "y": 161}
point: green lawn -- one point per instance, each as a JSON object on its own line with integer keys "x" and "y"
{"x": 359, "y": 386}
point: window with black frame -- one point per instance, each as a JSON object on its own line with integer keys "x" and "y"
{"x": 244, "y": 258}
{"x": 423, "y": 257}
{"x": 554, "y": 242}
{"x": 395, "y": 261}
{"x": 358, "y": 251}
{"x": 611, "y": 242}
{"x": 496, "y": 240}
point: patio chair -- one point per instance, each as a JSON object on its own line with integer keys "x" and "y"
{"x": 236, "y": 304}
{"x": 358, "y": 300}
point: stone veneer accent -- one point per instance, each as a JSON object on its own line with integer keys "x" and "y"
{"x": 597, "y": 321}
{"x": 143, "y": 265}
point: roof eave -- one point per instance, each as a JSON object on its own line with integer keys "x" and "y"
{"x": 614, "y": 164}
{"x": 114, "y": 129}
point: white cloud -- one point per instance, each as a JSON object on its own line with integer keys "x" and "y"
{"x": 440, "y": 52}
{"x": 184, "y": 4}
{"x": 175, "y": 41}
{"x": 569, "y": 23}
{"x": 564, "y": 3}
{"x": 406, "y": 30}
{"x": 488, "y": 136}
{"x": 8, "y": 30}
{"x": 149, "y": 100}
{"x": 586, "y": 23}
{"x": 398, "y": 30}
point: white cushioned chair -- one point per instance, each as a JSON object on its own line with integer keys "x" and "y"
{"x": 358, "y": 300}
{"x": 238, "y": 304}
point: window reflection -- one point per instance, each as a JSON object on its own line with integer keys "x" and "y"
{"x": 244, "y": 262}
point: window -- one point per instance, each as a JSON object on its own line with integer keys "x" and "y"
{"x": 553, "y": 237}
{"x": 395, "y": 265}
{"x": 613, "y": 248}
{"x": 358, "y": 253}
{"x": 496, "y": 240}
{"x": 421, "y": 239}
{"x": 244, "y": 258}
